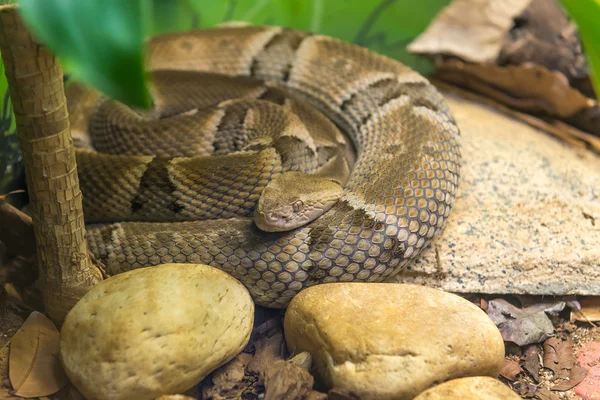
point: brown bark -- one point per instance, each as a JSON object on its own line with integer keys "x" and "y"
{"x": 35, "y": 81}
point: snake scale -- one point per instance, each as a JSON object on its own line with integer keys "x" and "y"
{"x": 396, "y": 198}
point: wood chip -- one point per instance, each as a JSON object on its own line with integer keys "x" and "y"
{"x": 590, "y": 309}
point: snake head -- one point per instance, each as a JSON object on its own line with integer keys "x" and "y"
{"x": 293, "y": 199}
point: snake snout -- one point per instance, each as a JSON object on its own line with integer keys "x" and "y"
{"x": 278, "y": 220}
{"x": 278, "y": 217}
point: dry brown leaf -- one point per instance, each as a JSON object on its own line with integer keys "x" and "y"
{"x": 5, "y": 394}
{"x": 527, "y": 87}
{"x": 227, "y": 382}
{"x": 510, "y": 369}
{"x": 532, "y": 361}
{"x": 472, "y": 30}
{"x": 525, "y": 389}
{"x": 521, "y": 326}
{"x": 550, "y": 359}
{"x": 566, "y": 357}
{"x": 268, "y": 350}
{"x": 34, "y": 367}
{"x": 590, "y": 310}
{"x": 577, "y": 375}
{"x": 559, "y": 357}
{"x": 544, "y": 394}
{"x": 559, "y": 129}
{"x": 284, "y": 380}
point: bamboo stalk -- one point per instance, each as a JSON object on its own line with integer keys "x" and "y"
{"x": 35, "y": 81}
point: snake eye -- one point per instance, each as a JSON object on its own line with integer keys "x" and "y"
{"x": 297, "y": 205}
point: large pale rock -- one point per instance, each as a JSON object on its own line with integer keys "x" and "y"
{"x": 153, "y": 331}
{"x": 472, "y": 388}
{"x": 391, "y": 341}
{"x": 527, "y": 215}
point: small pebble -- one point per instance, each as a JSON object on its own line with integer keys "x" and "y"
{"x": 471, "y": 388}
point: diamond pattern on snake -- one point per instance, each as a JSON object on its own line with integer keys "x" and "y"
{"x": 284, "y": 158}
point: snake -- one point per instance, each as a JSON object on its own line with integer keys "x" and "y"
{"x": 394, "y": 198}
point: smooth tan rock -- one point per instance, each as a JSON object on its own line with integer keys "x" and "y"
{"x": 471, "y": 388}
{"x": 154, "y": 331}
{"x": 391, "y": 341}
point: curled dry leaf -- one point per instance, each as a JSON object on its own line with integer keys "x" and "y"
{"x": 268, "y": 350}
{"x": 472, "y": 30}
{"x": 566, "y": 356}
{"x": 532, "y": 362}
{"x": 559, "y": 357}
{"x": 227, "y": 382}
{"x": 550, "y": 359}
{"x": 576, "y": 375}
{"x": 34, "y": 367}
{"x": 520, "y": 325}
{"x": 510, "y": 369}
{"x": 529, "y": 390}
{"x": 284, "y": 380}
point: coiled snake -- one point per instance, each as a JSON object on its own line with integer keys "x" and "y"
{"x": 395, "y": 200}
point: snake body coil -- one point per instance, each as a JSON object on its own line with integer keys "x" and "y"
{"x": 397, "y": 197}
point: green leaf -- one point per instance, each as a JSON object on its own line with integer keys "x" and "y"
{"x": 385, "y": 26}
{"x": 586, "y": 14}
{"x": 173, "y": 15}
{"x": 100, "y": 43}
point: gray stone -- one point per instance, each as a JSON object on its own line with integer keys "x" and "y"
{"x": 527, "y": 216}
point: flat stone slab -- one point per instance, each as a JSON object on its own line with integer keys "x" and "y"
{"x": 527, "y": 216}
